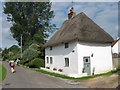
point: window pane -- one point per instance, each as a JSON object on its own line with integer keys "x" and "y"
{"x": 47, "y": 60}
{"x": 86, "y": 60}
{"x": 51, "y": 60}
{"x": 66, "y": 62}
{"x": 51, "y": 48}
{"x": 66, "y": 45}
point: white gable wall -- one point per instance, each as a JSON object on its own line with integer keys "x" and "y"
{"x": 116, "y": 48}
{"x": 59, "y": 53}
{"x": 101, "y": 60}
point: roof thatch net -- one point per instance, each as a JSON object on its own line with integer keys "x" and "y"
{"x": 80, "y": 28}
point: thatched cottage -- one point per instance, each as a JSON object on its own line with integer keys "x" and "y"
{"x": 80, "y": 47}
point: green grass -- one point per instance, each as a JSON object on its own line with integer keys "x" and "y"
{"x": 72, "y": 78}
{"x": 53, "y": 74}
{"x": 2, "y": 72}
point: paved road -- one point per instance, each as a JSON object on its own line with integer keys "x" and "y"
{"x": 26, "y": 78}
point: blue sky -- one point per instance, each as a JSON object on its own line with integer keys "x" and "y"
{"x": 105, "y": 14}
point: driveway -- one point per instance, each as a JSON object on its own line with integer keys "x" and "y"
{"x": 26, "y": 78}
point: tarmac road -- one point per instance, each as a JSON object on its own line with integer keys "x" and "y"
{"x": 26, "y": 78}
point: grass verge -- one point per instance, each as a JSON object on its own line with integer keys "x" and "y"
{"x": 2, "y": 72}
{"x": 72, "y": 78}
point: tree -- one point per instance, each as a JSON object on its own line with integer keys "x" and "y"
{"x": 0, "y": 49}
{"x": 31, "y": 52}
{"x": 31, "y": 20}
{"x": 5, "y": 54}
{"x": 11, "y": 53}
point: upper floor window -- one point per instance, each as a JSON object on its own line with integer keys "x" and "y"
{"x": 50, "y": 47}
{"x": 66, "y": 45}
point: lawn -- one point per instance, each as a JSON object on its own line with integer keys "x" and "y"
{"x": 72, "y": 78}
{"x": 2, "y": 72}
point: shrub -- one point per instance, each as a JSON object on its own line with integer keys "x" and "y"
{"x": 54, "y": 69}
{"x": 36, "y": 63}
{"x": 48, "y": 67}
{"x": 24, "y": 62}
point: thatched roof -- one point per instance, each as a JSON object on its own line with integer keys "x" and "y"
{"x": 80, "y": 28}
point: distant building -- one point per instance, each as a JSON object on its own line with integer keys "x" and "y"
{"x": 79, "y": 48}
{"x": 116, "y": 46}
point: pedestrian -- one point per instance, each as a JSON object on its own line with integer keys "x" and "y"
{"x": 17, "y": 61}
{"x": 12, "y": 66}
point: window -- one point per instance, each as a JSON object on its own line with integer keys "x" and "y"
{"x": 47, "y": 60}
{"x": 51, "y": 60}
{"x": 86, "y": 60}
{"x": 50, "y": 47}
{"x": 66, "y": 62}
{"x": 66, "y": 45}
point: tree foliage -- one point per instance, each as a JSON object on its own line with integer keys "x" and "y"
{"x": 31, "y": 52}
{"x": 0, "y": 49}
{"x": 29, "y": 19}
{"x": 36, "y": 63}
{"x": 11, "y": 53}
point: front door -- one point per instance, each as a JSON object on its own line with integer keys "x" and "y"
{"x": 87, "y": 69}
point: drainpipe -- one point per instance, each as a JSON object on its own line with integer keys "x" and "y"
{"x": 93, "y": 71}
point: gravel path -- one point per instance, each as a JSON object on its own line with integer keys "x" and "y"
{"x": 26, "y": 78}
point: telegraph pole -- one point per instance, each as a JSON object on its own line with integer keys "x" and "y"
{"x": 21, "y": 46}
{"x": 72, "y": 3}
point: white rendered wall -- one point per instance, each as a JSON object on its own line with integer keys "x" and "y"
{"x": 102, "y": 57}
{"x": 59, "y": 53}
{"x": 116, "y": 48}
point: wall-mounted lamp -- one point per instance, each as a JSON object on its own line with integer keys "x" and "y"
{"x": 92, "y": 55}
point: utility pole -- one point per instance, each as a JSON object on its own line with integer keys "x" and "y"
{"x": 21, "y": 46}
{"x": 72, "y": 3}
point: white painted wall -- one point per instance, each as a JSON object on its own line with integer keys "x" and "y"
{"x": 116, "y": 48}
{"x": 59, "y": 53}
{"x": 102, "y": 57}
{"x": 101, "y": 60}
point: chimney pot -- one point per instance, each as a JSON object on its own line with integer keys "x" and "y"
{"x": 71, "y": 14}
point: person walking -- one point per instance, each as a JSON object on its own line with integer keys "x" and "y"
{"x": 12, "y": 66}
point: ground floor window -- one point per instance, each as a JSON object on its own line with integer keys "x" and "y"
{"x": 51, "y": 60}
{"x": 66, "y": 62}
{"x": 47, "y": 59}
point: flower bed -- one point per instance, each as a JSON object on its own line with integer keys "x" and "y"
{"x": 61, "y": 70}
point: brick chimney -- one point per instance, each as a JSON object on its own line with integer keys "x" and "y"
{"x": 71, "y": 14}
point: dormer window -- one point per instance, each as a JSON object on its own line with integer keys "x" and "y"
{"x": 66, "y": 45}
{"x": 50, "y": 47}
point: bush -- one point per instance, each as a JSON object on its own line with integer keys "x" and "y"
{"x": 48, "y": 67}
{"x": 36, "y": 63}
{"x": 55, "y": 69}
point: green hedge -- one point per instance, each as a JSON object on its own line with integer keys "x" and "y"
{"x": 36, "y": 63}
